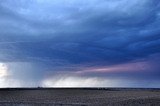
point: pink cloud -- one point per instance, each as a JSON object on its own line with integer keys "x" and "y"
{"x": 127, "y": 67}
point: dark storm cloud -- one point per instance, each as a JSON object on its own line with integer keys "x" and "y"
{"x": 79, "y": 32}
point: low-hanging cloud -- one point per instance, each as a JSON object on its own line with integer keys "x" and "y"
{"x": 68, "y": 81}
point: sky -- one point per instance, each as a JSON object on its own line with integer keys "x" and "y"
{"x": 80, "y": 43}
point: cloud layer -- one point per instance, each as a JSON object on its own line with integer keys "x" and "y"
{"x": 49, "y": 36}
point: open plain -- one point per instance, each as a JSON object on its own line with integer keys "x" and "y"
{"x": 79, "y": 97}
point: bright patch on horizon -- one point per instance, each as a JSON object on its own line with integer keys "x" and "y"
{"x": 77, "y": 81}
{"x": 3, "y": 70}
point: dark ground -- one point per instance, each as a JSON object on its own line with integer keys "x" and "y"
{"x": 79, "y": 97}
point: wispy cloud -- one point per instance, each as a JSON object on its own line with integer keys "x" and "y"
{"x": 77, "y": 81}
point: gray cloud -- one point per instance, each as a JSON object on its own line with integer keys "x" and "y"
{"x": 70, "y": 35}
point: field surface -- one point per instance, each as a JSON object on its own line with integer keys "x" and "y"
{"x": 79, "y": 97}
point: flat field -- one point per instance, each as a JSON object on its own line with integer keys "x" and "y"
{"x": 79, "y": 97}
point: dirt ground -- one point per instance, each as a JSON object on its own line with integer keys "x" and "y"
{"x": 79, "y": 97}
